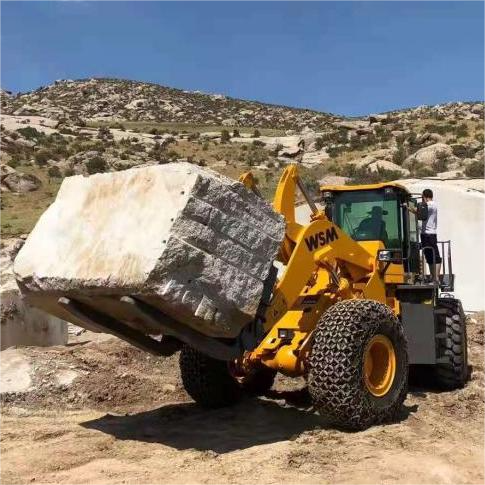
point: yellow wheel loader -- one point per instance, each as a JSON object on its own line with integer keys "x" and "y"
{"x": 349, "y": 308}
{"x": 352, "y": 309}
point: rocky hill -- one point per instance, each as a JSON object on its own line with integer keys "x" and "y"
{"x": 95, "y": 125}
{"x": 137, "y": 101}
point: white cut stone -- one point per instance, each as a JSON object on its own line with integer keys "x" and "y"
{"x": 197, "y": 245}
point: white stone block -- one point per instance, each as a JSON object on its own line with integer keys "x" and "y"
{"x": 197, "y": 245}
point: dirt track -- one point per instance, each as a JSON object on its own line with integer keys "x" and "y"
{"x": 125, "y": 418}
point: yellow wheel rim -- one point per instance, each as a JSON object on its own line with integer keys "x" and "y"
{"x": 379, "y": 365}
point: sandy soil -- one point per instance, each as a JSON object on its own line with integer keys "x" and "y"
{"x": 100, "y": 411}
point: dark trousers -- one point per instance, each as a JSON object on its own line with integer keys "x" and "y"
{"x": 429, "y": 243}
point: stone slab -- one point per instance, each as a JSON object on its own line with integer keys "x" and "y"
{"x": 197, "y": 245}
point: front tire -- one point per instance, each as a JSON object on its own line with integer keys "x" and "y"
{"x": 358, "y": 365}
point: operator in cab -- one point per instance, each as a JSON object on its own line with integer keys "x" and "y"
{"x": 374, "y": 225}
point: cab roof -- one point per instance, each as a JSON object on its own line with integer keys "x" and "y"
{"x": 352, "y": 188}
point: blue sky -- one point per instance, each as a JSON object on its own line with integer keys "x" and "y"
{"x": 343, "y": 57}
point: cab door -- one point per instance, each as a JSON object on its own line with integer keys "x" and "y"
{"x": 411, "y": 240}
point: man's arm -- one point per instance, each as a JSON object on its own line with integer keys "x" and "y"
{"x": 410, "y": 209}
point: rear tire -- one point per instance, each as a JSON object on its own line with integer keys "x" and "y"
{"x": 212, "y": 384}
{"x": 337, "y": 378}
{"x": 208, "y": 381}
{"x": 454, "y": 374}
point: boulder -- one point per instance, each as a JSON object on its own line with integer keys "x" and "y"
{"x": 314, "y": 157}
{"x": 21, "y": 182}
{"x": 17, "y": 182}
{"x": 22, "y": 324}
{"x": 333, "y": 180}
{"x": 430, "y": 154}
{"x": 25, "y": 110}
{"x": 193, "y": 243}
{"x": 387, "y": 165}
{"x": 229, "y": 122}
{"x": 290, "y": 151}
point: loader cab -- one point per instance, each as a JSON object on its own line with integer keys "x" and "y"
{"x": 375, "y": 213}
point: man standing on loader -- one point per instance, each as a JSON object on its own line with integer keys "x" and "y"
{"x": 428, "y": 214}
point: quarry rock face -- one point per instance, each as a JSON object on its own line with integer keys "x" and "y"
{"x": 197, "y": 245}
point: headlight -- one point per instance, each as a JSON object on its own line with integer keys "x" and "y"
{"x": 390, "y": 255}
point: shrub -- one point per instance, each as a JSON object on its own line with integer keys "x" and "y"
{"x": 277, "y": 149}
{"x": 42, "y": 156}
{"x": 461, "y": 130}
{"x": 155, "y": 151}
{"x": 362, "y": 175}
{"x": 30, "y": 133}
{"x": 441, "y": 162}
{"x": 173, "y": 155}
{"x": 399, "y": 155}
{"x": 205, "y": 146}
{"x": 475, "y": 169}
{"x": 225, "y": 136}
{"x": 256, "y": 133}
{"x": 334, "y": 152}
{"x": 97, "y": 164}
{"x": 423, "y": 171}
{"x": 14, "y": 163}
{"x": 258, "y": 143}
{"x": 236, "y": 133}
{"x": 441, "y": 129}
{"x": 66, "y": 131}
{"x": 154, "y": 131}
{"x": 54, "y": 172}
{"x": 104, "y": 132}
{"x": 319, "y": 143}
{"x": 193, "y": 136}
{"x": 382, "y": 133}
{"x": 479, "y": 137}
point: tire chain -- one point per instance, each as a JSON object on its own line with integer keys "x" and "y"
{"x": 207, "y": 380}
{"x": 335, "y": 379}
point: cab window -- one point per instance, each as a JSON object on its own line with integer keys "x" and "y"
{"x": 369, "y": 215}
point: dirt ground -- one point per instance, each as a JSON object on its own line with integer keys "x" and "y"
{"x": 100, "y": 411}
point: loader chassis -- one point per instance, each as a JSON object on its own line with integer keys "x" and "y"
{"x": 332, "y": 259}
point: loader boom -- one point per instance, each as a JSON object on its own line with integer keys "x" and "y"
{"x": 324, "y": 265}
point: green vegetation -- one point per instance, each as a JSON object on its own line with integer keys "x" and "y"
{"x": 362, "y": 175}
{"x": 96, "y": 164}
{"x": 21, "y": 211}
{"x": 225, "y": 136}
{"x": 475, "y": 169}
{"x": 54, "y": 172}
{"x": 168, "y": 127}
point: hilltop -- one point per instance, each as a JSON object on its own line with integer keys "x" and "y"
{"x": 139, "y": 101}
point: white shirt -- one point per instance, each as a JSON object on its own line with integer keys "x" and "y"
{"x": 429, "y": 226}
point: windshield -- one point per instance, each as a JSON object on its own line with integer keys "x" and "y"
{"x": 369, "y": 215}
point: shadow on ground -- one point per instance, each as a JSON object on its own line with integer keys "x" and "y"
{"x": 253, "y": 422}
{"x": 185, "y": 425}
